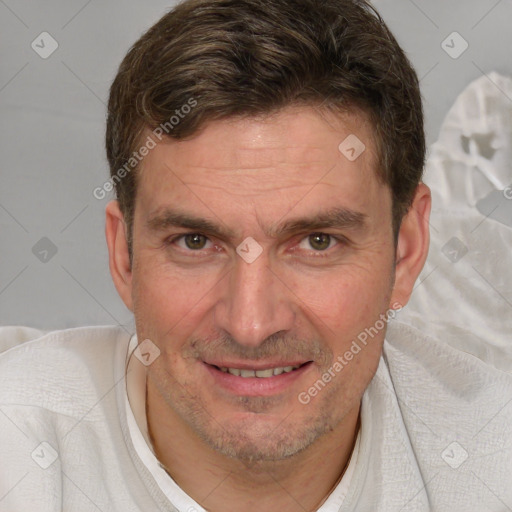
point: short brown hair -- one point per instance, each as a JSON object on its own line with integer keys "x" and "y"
{"x": 253, "y": 57}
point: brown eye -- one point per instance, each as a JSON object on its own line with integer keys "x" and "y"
{"x": 320, "y": 241}
{"x": 195, "y": 241}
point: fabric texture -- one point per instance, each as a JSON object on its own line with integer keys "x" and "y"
{"x": 435, "y": 429}
{"x": 464, "y": 293}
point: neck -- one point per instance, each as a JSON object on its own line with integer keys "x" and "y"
{"x": 220, "y": 484}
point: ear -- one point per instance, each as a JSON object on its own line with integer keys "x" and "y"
{"x": 413, "y": 245}
{"x": 119, "y": 259}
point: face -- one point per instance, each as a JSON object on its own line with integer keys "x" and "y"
{"x": 259, "y": 246}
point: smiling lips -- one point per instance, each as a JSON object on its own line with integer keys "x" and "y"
{"x": 262, "y": 374}
{"x": 259, "y": 370}
{"x": 258, "y": 378}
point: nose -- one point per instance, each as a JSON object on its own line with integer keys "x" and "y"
{"x": 255, "y": 303}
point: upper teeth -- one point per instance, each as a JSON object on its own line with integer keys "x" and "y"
{"x": 259, "y": 373}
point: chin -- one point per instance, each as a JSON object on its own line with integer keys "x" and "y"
{"x": 254, "y": 438}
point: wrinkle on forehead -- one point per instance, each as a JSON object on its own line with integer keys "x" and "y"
{"x": 299, "y": 136}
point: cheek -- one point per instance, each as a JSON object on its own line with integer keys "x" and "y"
{"x": 167, "y": 303}
{"x": 345, "y": 299}
{"x": 345, "y": 308}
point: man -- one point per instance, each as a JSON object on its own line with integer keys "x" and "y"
{"x": 270, "y": 220}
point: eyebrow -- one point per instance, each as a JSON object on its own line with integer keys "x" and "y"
{"x": 337, "y": 218}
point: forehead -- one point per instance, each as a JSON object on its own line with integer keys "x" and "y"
{"x": 294, "y": 134}
{"x": 262, "y": 161}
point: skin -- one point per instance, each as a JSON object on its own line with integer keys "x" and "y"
{"x": 303, "y": 298}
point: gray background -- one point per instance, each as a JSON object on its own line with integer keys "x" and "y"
{"x": 52, "y": 133}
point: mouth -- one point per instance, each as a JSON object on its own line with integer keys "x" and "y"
{"x": 264, "y": 380}
{"x": 260, "y": 374}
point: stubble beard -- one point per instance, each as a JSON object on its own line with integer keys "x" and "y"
{"x": 252, "y": 440}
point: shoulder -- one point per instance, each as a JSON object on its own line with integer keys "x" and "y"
{"x": 407, "y": 342}
{"x": 431, "y": 372}
{"x": 450, "y": 405}
{"x": 13, "y": 335}
{"x": 58, "y": 368}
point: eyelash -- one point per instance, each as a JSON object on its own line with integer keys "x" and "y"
{"x": 317, "y": 254}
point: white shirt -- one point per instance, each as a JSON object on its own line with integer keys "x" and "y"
{"x": 435, "y": 435}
